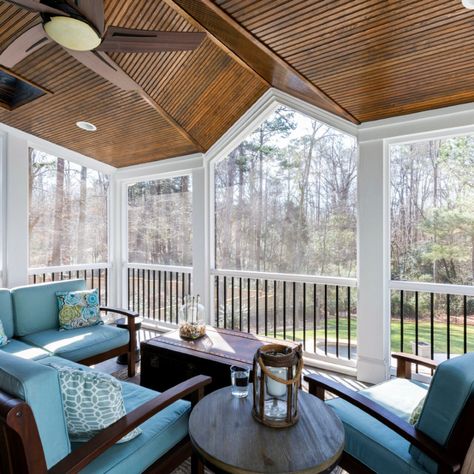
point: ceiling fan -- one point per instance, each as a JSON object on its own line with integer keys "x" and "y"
{"x": 78, "y": 26}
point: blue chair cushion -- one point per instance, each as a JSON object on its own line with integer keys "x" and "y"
{"x": 25, "y": 351}
{"x": 35, "y": 307}
{"x": 372, "y": 443}
{"x": 451, "y": 387}
{"x": 39, "y": 387}
{"x": 159, "y": 434}
{"x": 6, "y": 312}
{"x": 79, "y": 344}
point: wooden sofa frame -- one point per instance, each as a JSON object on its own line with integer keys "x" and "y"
{"x": 449, "y": 458}
{"x": 128, "y": 349}
{"x": 22, "y": 451}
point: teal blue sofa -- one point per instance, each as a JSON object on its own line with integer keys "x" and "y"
{"x": 379, "y": 437}
{"x": 30, "y": 318}
{"x": 33, "y": 433}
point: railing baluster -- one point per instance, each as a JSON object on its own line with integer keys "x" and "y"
{"x": 92, "y": 278}
{"x": 274, "y": 308}
{"x": 232, "y": 296}
{"x": 349, "y": 322}
{"x": 401, "y": 319}
{"x": 304, "y": 316}
{"x": 164, "y": 299}
{"x": 432, "y": 324}
{"x": 326, "y": 319}
{"x": 448, "y": 326}
{"x": 182, "y": 286}
{"x": 148, "y": 292}
{"x": 225, "y": 302}
{"x": 106, "y": 284}
{"x": 217, "y": 301}
{"x": 34, "y": 279}
{"x": 154, "y": 295}
{"x": 177, "y": 296}
{"x": 240, "y": 304}
{"x": 189, "y": 283}
{"x": 133, "y": 288}
{"x": 256, "y": 305}
{"x": 159, "y": 295}
{"x": 143, "y": 292}
{"x": 100, "y": 284}
{"x": 315, "y": 322}
{"x": 416, "y": 322}
{"x": 266, "y": 307}
{"x": 248, "y": 304}
{"x": 284, "y": 310}
{"x": 337, "y": 320}
{"x": 294, "y": 311}
{"x": 465, "y": 323}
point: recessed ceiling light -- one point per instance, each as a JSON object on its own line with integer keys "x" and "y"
{"x": 468, "y": 4}
{"x": 87, "y": 126}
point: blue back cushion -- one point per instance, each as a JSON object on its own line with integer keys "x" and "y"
{"x": 451, "y": 388}
{"x": 38, "y": 385}
{"x": 6, "y": 312}
{"x": 36, "y": 307}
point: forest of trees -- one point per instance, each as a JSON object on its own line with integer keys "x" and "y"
{"x": 160, "y": 221}
{"x": 432, "y": 210}
{"x": 67, "y": 212}
{"x": 286, "y": 199}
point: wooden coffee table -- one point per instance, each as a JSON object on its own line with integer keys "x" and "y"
{"x": 168, "y": 360}
{"x": 229, "y": 440}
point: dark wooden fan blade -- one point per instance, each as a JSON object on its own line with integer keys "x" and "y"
{"x": 124, "y": 40}
{"x": 102, "y": 65}
{"x": 36, "y": 6}
{"x": 92, "y": 10}
{"x": 30, "y": 41}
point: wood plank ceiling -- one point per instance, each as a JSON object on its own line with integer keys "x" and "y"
{"x": 364, "y": 60}
{"x": 375, "y": 58}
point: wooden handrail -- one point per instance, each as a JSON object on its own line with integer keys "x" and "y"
{"x": 123, "y": 312}
{"x": 81, "y": 457}
{"x": 319, "y": 384}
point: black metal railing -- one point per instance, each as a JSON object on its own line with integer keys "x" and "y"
{"x": 323, "y": 317}
{"x": 432, "y": 324}
{"x": 157, "y": 294}
{"x": 95, "y": 278}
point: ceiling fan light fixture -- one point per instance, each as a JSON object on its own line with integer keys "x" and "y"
{"x": 87, "y": 126}
{"x": 469, "y": 4}
{"x": 72, "y": 33}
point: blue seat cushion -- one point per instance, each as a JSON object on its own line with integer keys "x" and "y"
{"x": 159, "y": 434}
{"x": 35, "y": 307}
{"x": 372, "y": 443}
{"x": 451, "y": 388}
{"x": 6, "y": 312}
{"x": 39, "y": 387}
{"x": 25, "y": 351}
{"x": 79, "y": 344}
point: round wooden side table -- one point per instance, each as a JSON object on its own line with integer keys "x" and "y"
{"x": 122, "y": 359}
{"x": 229, "y": 440}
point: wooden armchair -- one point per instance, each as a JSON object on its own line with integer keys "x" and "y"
{"x": 31, "y": 444}
{"x": 379, "y": 437}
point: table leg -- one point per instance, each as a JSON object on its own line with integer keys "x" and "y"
{"x": 197, "y": 466}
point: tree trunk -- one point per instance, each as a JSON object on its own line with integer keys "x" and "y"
{"x": 55, "y": 259}
{"x": 81, "y": 242}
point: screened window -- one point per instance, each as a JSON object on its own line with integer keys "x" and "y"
{"x": 285, "y": 199}
{"x": 67, "y": 212}
{"x": 432, "y": 210}
{"x": 160, "y": 221}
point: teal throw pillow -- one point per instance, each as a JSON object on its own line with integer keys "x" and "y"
{"x": 3, "y": 336}
{"x": 78, "y": 309}
{"x": 92, "y": 402}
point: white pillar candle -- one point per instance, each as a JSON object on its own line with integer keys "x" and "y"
{"x": 274, "y": 388}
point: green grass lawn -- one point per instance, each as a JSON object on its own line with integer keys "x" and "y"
{"x": 440, "y": 334}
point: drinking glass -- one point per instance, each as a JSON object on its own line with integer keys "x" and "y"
{"x": 240, "y": 381}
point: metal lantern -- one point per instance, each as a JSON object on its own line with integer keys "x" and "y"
{"x": 277, "y": 378}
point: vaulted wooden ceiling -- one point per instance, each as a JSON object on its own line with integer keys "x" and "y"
{"x": 363, "y": 60}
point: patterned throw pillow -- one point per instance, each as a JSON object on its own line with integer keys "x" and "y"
{"x": 415, "y": 414}
{"x": 92, "y": 401}
{"x": 3, "y": 336}
{"x": 78, "y": 309}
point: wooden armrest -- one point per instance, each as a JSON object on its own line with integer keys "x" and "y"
{"x": 318, "y": 384}
{"x": 123, "y": 312}
{"x": 81, "y": 457}
{"x": 405, "y": 360}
